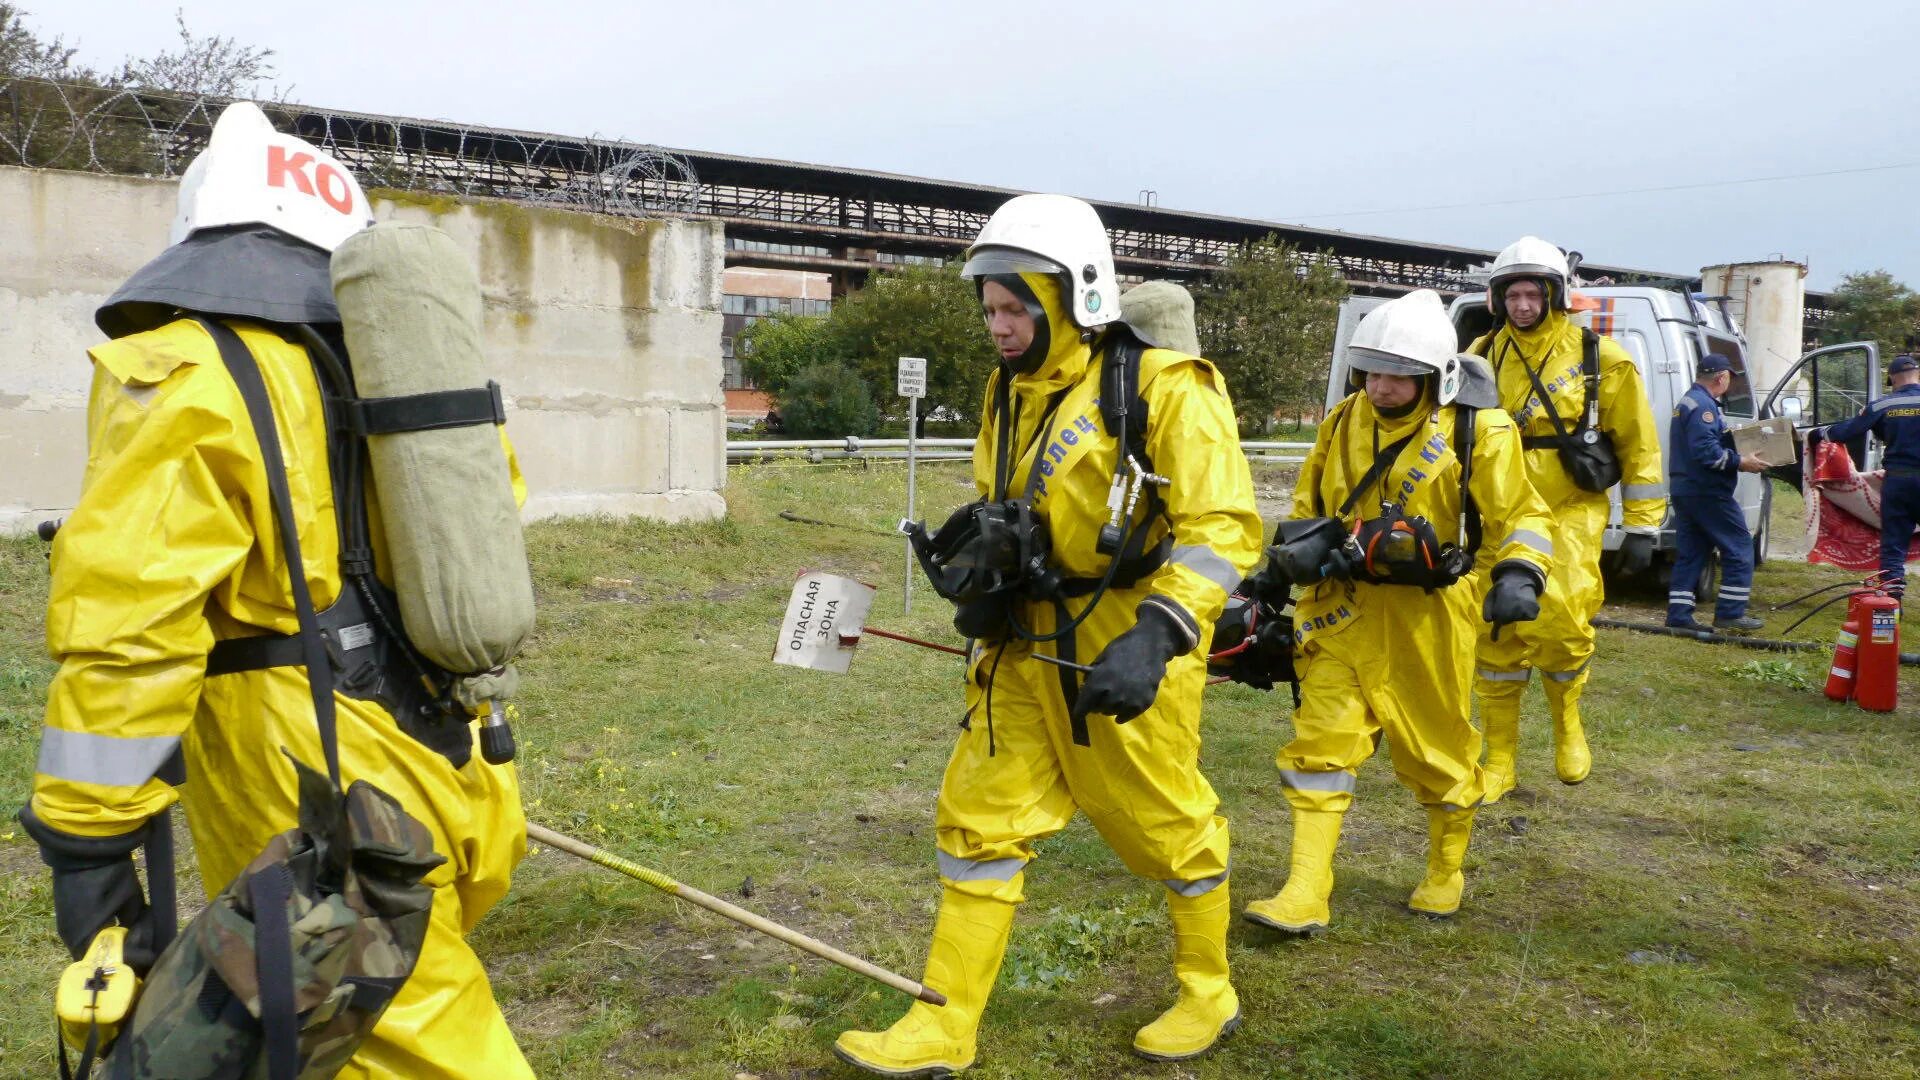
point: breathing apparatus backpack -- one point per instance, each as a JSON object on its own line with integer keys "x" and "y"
{"x": 290, "y": 967}
{"x": 435, "y": 649}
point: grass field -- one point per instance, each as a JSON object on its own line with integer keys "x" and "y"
{"x": 1734, "y": 893}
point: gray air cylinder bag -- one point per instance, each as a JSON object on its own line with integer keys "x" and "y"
{"x": 410, "y": 309}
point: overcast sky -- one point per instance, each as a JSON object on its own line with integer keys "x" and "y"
{"x": 1431, "y": 121}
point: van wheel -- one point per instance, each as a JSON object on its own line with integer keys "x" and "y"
{"x": 1704, "y": 593}
{"x": 1763, "y": 537}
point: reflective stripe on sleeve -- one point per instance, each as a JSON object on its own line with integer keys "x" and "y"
{"x": 1531, "y": 539}
{"x": 955, "y": 868}
{"x": 1643, "y": 491}
{"x": 82, "y": 757}
{"x": 1209, "y": 564}
{"x": 1317, "y": 781}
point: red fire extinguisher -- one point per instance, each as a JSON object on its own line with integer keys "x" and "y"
{"x": 1877, "y": 666}
{"x": 1840, "y": 676}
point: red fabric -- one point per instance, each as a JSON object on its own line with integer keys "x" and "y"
{"x": 1843, "y": 509}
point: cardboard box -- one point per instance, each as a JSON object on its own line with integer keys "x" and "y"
{"x": 1773, "y": 440}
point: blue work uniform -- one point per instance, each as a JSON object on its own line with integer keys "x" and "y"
{"x": 1895, "y": 420}
{"x": 1706, "y": 516}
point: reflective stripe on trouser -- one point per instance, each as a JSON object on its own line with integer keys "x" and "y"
{"x": 1420, "y": 702}
{"x": 1899, "y": 512}
{"x": 1701, "y": 526}
{"x": 1499, "y": 695}
{"x": 444, "y": 1023}
{"x": 1139, "y": 782}
{"x": 1561, "y": 639}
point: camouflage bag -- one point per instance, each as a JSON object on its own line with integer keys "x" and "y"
{"x": 287, "y": 970}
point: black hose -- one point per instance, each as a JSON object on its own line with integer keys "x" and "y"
{"x": 791, "y": 516}
{"x": 1767, "y": 644}
{"x": 1808, "y": 596}
{"x": 1820, "y": 607}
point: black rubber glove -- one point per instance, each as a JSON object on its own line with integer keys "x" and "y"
{"x": 1125, "y": 679}
{"x": 1514, "y": 597}
{"x": 1636, "y": 554}
{"x": 94, "y": 887}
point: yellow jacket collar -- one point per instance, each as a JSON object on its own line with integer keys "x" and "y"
{"x": 1068, "y": 355}
{"x": 1541, "y": 336}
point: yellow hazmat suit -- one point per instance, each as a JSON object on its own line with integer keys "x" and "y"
{"x": 1392, "y": 659}
{"x": 1017, "y": 775}
{"x": 1560, "y": 642}
{"x": 171, "y": 548}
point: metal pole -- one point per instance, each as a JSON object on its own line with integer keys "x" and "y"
{"x": 913, "y": 445}
{"x": 600, "y": 857}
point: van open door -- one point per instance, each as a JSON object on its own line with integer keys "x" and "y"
{"x": 1827, "y": 386}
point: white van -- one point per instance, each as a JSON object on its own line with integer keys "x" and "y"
{"x": 1667, "y": 332}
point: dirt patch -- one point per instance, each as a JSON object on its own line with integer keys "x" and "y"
{"x": 1857, "y": 992}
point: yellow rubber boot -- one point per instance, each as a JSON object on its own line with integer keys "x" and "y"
{"x": 1571, "y": 758}
{"x": 1500, "y": 721}
{"x": 1300, "y": 907}
{"x": 969, "y": 938}
{"x": 1207, "y": 1009}
{"x": 1438, "y": 894}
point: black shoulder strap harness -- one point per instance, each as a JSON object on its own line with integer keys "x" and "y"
{"x": 1464, "y": 419}
{"x": 1589, "y": 417}
{"x": 364, "y": 647}
{"x": 1123, "y": 412}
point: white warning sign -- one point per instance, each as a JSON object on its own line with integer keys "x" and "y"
{"x": 822, "y": 608}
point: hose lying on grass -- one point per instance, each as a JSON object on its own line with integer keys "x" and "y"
{"x": 1768, "y": 644}
{"x": 600, "y": 857}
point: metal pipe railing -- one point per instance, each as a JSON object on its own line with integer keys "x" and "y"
{"x": 854, "y": 446}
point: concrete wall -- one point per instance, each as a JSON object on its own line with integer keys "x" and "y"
{"x": 604, "y": 333}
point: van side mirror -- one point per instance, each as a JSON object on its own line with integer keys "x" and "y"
{"x": 1792, "y": 409}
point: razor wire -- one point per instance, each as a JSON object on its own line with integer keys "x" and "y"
{"x": 54, "y": 124}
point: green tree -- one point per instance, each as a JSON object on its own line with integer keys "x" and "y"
{"x": 924, "y": 311}
{"x": 1267, "y": 318}
{"x": 921, "y": 311}
{"x": 828, "y": 400}
{"x": 775, "y": 349}
{"x": 1873, "y": 306}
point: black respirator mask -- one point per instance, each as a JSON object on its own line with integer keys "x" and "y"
{"x": 984, "y": 550}
{"x": 1253, "y": 638}
{"x": 1395, "y": 549}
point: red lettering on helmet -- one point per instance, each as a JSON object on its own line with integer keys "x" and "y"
{"x": 280, "y": 167}
{"x": 334, "y": 188}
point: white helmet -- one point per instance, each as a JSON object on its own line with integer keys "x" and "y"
{"x": 1530, "y": 256}
{"x": 249, "y": 173}
{"x": 1052, "y": 234}
{"x": 1409, "y": 335}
